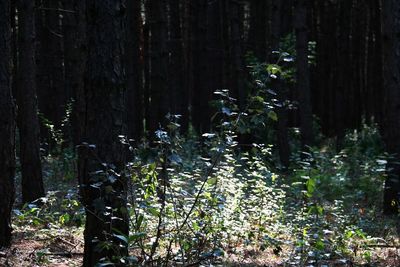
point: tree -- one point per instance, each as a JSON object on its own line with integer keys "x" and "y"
{"x": 278, "y": 85}
{"x": 27, "y": 119}
{"x": 391, "y": 131}
{"x": 51, "y": 91}
{"x": 180, "y": 94}
{"x": 101, "y": 155}
{"x": 7, "y": 127}
{"x": 237, "y": 64}
{"x": 159, "y": 96}
{"x": 200, "y": 93}
{"x": 303, "y": 73}
{"x": 259, "y": 28}
{"x": 134, "y": 65}
{"x": 74, "y": 31}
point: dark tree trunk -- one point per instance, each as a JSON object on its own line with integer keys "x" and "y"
{"x": 7, "y": 127}
{"x": 278, "y": 86}
{"x": 28, "y": 123}
{"x": 257, "y": 40}
{"x": 326, "y": 68}
{"x": 52, "y": 97}
{"x": 215, "y": 55}
{"x": 101, "y": 155}
{"x": 391, "y": 132}
{"x": 180, "y": 94}
{"x": 134, "y": 65}
{"x": 200, "y": 92}
{"x": 159, "y": 95}
{"x": 303, "y": 73}
{"x": 357, "y": 38}
{"x": 74, "y": 30}
{"x": 342, "y": 57}
{"x": 376, "y": 63}
{"x": 146, "y": 70}
{"x": 236, "y": 42}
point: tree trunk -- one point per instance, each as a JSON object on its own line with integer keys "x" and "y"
{"x": 51, "y": 93}
{"x": 28, "y": 123}
{"x": 200, "y": 106}
{"x": 101, "y": 155}
{"x": 303, "y": 73}
{"x": 74, "y": 30}
{"x": 146, "y": 70}
{"x": 7, "y": 127}
{"x": 391, "y": 131}
{"x": 180, "y": 94}
{"x": 278, "y": 86}
{"x": 215, "y": 55}
{"x": 259, "y": 28}
{"x": 134, "y": 65}
{"x": 159, "y": 95}
{"x": 376, "y": 63}
{"x": 343, "y": 60}
{"x": 236, "y": 43}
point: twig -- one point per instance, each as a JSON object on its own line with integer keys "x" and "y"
{"x": 384, "y": 246}
{"x": 63, "y": 254}
{"x": 57, "y": 9}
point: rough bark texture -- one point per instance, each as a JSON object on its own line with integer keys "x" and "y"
{"x": 215, "y": 71}
{"x": 278, "y": 86}
{"x": 74, "y": 30}
{"x": 200, "y": 93}
{"x": 303, "y": 73}
{"x": 236, "y": 43}
{"x": 134, "y": 65}
{"x": 180, "y": 96}
{"x": 101, "y": 155}
{"x": 7, "y": 127}
{"x": 259, "y": 28}
{"x": 159, "y": 95}
{"x": 51, "y": 93}
{"x": 28, "y": 123}
{"x": 391, "y": 41}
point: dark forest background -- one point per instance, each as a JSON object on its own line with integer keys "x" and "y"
{"x": 94, "y": 77}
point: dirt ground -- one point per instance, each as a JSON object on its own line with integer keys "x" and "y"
{"x": 64, "y": 248}
{"x": 55, "y": 248}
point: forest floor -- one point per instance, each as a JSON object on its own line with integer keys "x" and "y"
{"x": 334, "y": 222}
{"x": 44, "y": 247}
{"x": 64, "y": 247}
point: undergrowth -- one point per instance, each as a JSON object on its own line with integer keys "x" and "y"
{"x": 199, "y": 200}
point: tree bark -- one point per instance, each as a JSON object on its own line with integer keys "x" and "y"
{"x": 259, "y": 28}
{"x": 7, "y": 127}
{"x": 134, "y": 67}
{"x": 236, "y": 43}
{"x": 74, "y": 30}
{"x": 28, "y": 122}
{"x": 391, "y": 131}
{"x": 180, "y": 94}
{"x": 51, "y": 93}
{"x": 277, "y": 84}
{"x": 200, "y": 106}
{"x": 101, "y": 155}
{"x": 303, "y": 73}
{"x": 159, "y": 95}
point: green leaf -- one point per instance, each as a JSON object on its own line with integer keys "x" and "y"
{"x": 136, "y": 236}
{"x": 212, "y": 181}
{"x": 153, "y": 211}
{"x": 272, "y": 115}
{"x": 319, "y": 245}
{"x": 311, "y": 185}
{"x": 122, "y": 238}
